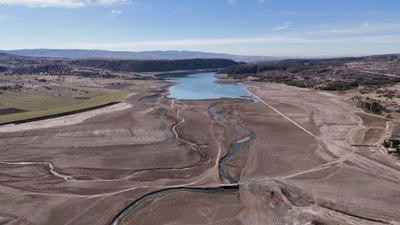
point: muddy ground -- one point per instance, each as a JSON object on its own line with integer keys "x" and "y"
{"x": 304, "y": 167}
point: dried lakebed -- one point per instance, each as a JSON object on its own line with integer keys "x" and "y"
{"x": 202, "y": 86}
{"x": 299, "y": 169}
{"x": 286, "y": 159}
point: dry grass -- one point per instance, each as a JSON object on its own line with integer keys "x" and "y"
{"x": 38, "y": 105}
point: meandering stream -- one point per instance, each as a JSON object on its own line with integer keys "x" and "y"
{"x": 187, "y": 89}
{"x": 237, "y": 144}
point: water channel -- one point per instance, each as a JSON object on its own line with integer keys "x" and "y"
{"x": 199, "y": 86}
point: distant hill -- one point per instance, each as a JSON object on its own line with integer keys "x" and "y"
{"x": 336, "y": 74}
{"x": 155, "y": 65}
{"x": 16, "y": 64}
{"x": 145, "y": 55}
{"x": 297, "y": 65}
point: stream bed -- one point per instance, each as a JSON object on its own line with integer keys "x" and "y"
{"x": 199, "y": 86}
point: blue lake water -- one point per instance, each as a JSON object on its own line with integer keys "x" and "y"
{"x": 197, "y": 86}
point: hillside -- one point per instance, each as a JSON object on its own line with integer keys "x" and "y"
{"x": 156, "y": 65}
{"x": 370, "y": 83}
{"x": 144, "y": 55}
{"x": 11, "y": 64}
{"x": 325, "y": 74}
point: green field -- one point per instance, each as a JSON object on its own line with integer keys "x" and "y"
{"x": 39, "y": 105}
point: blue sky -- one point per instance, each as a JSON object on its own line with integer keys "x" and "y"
{"x": 250, "y": 27}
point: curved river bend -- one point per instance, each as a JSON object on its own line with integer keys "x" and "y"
{"x": 198, "y": 86}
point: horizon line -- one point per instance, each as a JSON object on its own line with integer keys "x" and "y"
{"x": 286, "y": 56}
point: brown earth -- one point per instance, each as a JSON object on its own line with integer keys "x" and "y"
{"x": 105, "y": 162}
{"x": 190, "y": 208}
{"x": 301, "y": 168}
{"x": 372, "y": 121}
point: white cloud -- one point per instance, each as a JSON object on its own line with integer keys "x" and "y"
{"x": 183, "y": 10}
{"x": 365, "y": 28}
{"x": 289, "y": 13}
{"x": 60, "y": 3}
{"x": 185, "y": 43}
{"x": 282, "y": 27}
{"x": 232, "y": 2}
{"x": 115, "y": 12}
{"x": 109, "y": 2}
{"x": 176, "y": 43}
{"x": 46, "y": 3}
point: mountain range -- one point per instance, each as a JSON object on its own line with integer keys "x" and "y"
{"x": 144, "y": 55}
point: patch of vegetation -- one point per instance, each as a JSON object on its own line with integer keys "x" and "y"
{"x": 40, "y": 106}
{"x": 371, "y": 106}
{"x": 3, "y": 69}
{"x": 387, "y": 96}
{"x": 339, "y": 86}
{"x": 156, "y": 65}
{"x": 101, "y": 68}
{"x": 38, "y": 69}
{"x": 325, "y": 74}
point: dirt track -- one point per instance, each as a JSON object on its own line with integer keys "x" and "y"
{"x": 301, "y": 168}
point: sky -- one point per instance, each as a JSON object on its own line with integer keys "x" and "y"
{"x": 246, "y": 27}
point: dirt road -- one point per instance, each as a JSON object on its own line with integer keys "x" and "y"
{"x": 301, "y": 168}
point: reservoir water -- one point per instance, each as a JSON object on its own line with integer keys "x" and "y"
{"x": 198, "y": 86}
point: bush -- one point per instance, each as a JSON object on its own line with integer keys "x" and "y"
{"x": 337, "y": 86}
{"x": 373, "y": 107}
